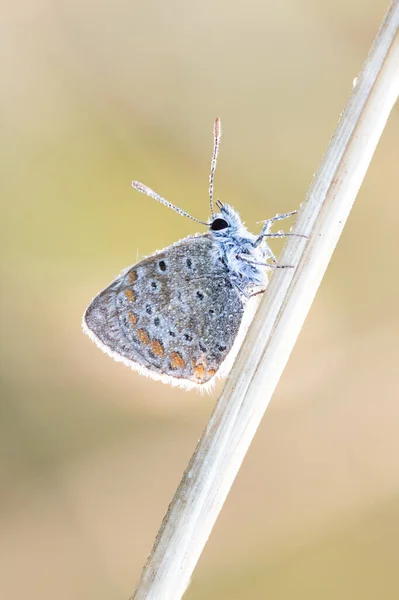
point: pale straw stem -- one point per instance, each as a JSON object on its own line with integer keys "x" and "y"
{"x": 276, "y": 326}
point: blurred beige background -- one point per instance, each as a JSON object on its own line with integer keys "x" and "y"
{"x": 94, "y": 94}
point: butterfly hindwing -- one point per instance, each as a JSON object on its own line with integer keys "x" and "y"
{"x": 174, "y": 314}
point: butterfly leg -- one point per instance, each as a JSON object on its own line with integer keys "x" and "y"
{"x": 268, "y": 224}
{"x": 277, "y": 235}
{"x": 263, "y": 264}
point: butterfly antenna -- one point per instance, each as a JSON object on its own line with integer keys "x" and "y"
{"x": 149, "y": 192}
{"x": 217, "y": 134}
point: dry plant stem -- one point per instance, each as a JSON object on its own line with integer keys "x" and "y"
{"x": 272, "y": 335}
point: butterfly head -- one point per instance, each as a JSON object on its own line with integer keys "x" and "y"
{"x": 226, "y": 223}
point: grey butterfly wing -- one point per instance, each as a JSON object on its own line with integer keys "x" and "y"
{"x": 175, "y": 314}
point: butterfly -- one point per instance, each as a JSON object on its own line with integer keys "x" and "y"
{"x": 180, "y": 315}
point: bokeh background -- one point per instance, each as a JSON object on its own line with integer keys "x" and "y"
{"x": 94, "y": 94}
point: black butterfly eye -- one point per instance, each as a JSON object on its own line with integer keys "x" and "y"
{"x": 218, "y": 224}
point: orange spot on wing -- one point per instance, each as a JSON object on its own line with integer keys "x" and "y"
{"x": 199, "y": 371}
{"x": 143, "y": 336}
{"x": 176, "y": 361}
{"x": 132, "y": 318}
{"x": 156, "y": 348}
{"x": 132, "y": 278}
{"x": 130, "y": 295}
{"x": 211, "y": 372}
